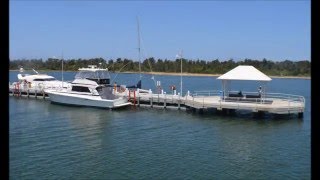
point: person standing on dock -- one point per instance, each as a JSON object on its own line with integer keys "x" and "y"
{"x": 173, "y": 88}
{"x": 260, "y": 91}
{"x": 221, "y": 95}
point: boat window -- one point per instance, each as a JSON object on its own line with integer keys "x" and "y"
{"x": 45, "y": 79}
{"x": 80, "y": 89}
{"x": 50, "y": 79}
{"x": 99, "y": 74}
{"x": 100, "y": 81}
{"x": 104, "y": 81}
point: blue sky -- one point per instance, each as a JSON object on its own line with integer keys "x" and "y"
{"x": 276, "y": 30}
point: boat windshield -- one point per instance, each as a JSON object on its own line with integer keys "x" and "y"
{"x": 99, "y": 74}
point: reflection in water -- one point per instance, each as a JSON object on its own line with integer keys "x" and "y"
{"x": 87, "y": 124}
{"x": 252, "y": 147}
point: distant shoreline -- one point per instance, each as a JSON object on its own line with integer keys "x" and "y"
{"x": 190, "y": 74}
{"x": 211, "y": 75}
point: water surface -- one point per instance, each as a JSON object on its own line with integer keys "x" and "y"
{"x": 49, "y": 141}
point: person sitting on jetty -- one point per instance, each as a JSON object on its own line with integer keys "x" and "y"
{"x": 240, "y": 94}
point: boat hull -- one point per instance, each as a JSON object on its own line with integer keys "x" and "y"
{"x": 86, "y": 100}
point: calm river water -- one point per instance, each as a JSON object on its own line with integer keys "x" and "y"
{"x": 49, "y": 141}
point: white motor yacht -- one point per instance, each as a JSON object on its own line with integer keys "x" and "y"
{"x": 37, "y": 80}
{"x": 91, "y": 87}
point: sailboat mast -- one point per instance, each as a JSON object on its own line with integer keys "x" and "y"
{"x": 62, "y": 69}
{"x": 139, "y": 47}
{"x": 181, "y": 74}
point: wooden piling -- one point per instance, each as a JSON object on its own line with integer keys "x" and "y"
{"x": 165, "y": 103}
{"x": 129, "y": 96}
{"x": 134, "y": 98}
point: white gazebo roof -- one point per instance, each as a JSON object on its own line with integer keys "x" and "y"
{"x": 244, "y": 72}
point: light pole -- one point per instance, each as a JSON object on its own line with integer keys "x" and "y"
{"x": 180, "y": 56}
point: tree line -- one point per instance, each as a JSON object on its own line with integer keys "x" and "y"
{"x": 269, "y": 67}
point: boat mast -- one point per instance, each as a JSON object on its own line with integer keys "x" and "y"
{"x": 62, "y": 69}
{"x": 181, "y": 74}
{"x": 139, "y": 46}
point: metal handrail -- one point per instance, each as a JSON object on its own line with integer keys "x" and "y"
{"x": 265, "y": 96}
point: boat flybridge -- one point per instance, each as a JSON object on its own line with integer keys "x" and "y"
{"x": 100, "y": 76}
{"x": 91, "y": 87}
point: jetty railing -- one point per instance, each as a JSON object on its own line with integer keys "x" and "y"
{"x": 207, "y": 93}
{"x": 286, "y": 97}
{"x": 264, "y": 96}
{"x": 288, "y": 102}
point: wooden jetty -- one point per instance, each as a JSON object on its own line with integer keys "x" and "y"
{"x": 21, "y": 90}
{"x": 276, "y": 103}
{"x": 224, "y": 100}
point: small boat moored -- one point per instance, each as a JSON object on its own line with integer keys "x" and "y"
{"x": 40, "y": 81}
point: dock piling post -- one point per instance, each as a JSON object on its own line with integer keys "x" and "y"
{"x": 18, "y": 89}
{"x": 129, "y": 95}
{"x": 134, "y": 98}
{"x": 203, "y": 102}
{"x": 193, "y": 101}
{"x": 165, "y": 100}
{"x": 179, "y": 101}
